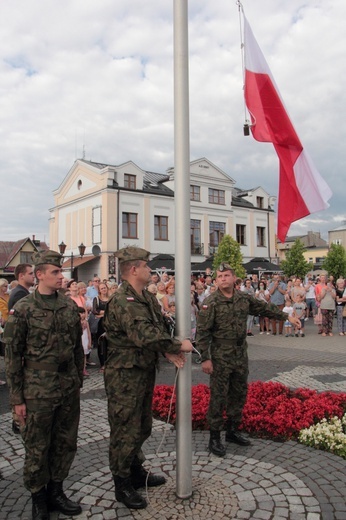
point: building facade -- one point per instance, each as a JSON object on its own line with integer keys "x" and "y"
{"x": 107, "y": 207}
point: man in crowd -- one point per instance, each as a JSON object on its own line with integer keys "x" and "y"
{"x": 221, "y": 339}
{"x": 44, "y": 364}
{"x": 277, "y": 291}
{"x": 136, "y": 335}
{"x": 24, "y": 273}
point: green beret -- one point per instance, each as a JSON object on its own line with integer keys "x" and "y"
{"x": 47, "y": 257}
{"x": 132, "y": 253}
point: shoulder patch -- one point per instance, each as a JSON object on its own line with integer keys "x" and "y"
{"x": 204, "y": 306}
{"x": 12, "y": 311}
{"x": 130, "y": 299}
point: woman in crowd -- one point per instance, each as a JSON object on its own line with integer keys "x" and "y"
{"x": 77, "y": 293}
{"x": 4, "y": 297}
{"x": 326, "y": 295}
{"x": 169, "y": 296}
{"x": 262, "y": 294}
{"x": 161, "y": 290}
{"x": 248, "y": 289}
{"x": 99, "y": 305}
{"x": 340, "y": 305}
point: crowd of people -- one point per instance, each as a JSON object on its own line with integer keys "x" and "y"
{"x": 50, "y": 332}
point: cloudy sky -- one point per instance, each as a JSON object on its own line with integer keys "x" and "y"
{"x": 80, "y": 76}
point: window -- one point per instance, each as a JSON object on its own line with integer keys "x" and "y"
{"x": 195, "y": 232}
{"x": 240, "y": 234}
{"x": 130, "y": 225}
{"x": 216, "y": 233}
{"x": 160, "y": 227}
{"x": 216, "y": 196}
{"x": 260, "y": 202}
{"x": 96, "y": 225}
{"x": 337, "y": 241}
{"x": 195, "y": 193}
{"x": 25, "y": 257}
{"x": 261, "y": 236}
{"x": 129, "y": 181}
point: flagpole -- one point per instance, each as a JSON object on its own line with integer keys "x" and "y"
{"x": 182, "y": 242}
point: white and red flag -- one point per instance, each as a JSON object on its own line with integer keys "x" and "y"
{"x": 302, "y": 190}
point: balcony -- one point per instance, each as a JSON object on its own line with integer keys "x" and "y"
{"x": 212, "y": 249}
{"x": 197, "y": 249}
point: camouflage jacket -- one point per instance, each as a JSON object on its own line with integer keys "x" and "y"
{"x": 221, "y": 325}
{"x": 44, "y": 356}
{"x": 135, "y": 330}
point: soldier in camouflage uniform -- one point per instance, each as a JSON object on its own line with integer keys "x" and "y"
{"x": 221, "y": 339}
{"x": 136, "y": 335}
{"x": 44, "y": 364}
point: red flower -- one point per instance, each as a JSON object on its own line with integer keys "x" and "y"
{"x": 272, "y": 410}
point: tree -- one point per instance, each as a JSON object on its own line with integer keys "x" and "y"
{"x": 335, "y": 262}
{"x": 295, "y": 263}
{"x": 229, "y": 252}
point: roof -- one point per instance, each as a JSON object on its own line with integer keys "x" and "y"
{"x": 8, "y": 249}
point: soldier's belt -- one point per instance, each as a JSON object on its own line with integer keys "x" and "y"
{"x": 48, "y": 367}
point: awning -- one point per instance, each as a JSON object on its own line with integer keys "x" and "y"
{"x": 260, "y": 266}
{"x": 77, "y": 261}
{"x": 162, "y": 262}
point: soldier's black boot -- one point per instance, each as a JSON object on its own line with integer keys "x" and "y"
{"x": 125, "y": 493}
{"x": 215, "y": 444}
{"x": 39, "y": 505}
{"x": 140, "y": 478}
{"x": 58, "y": 501}
{"x": 234, "y": 435}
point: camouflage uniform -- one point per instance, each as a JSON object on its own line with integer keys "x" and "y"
{"x": 44, "y": 365}
{"x": 221, "y": 337}
{"x": 136, "y": 334}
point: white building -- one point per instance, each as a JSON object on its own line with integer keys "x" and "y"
{"x": 107, "y": 207}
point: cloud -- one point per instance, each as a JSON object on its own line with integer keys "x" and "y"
{"x": 79, "y": 75}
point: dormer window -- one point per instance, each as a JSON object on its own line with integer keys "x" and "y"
{"x": 260, "y": 202}
{"x": 129, "y": 181}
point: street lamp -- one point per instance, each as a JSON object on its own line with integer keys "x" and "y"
{"x": 62, "y": 248}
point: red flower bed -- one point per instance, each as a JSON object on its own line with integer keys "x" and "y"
{"x": 272, "y": 410}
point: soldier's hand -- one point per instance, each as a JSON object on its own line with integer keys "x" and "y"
{"x": 207, "y": 367}
{"x": 20, "y": 411}
{"x": 177, "y": 359}
{"x": 295, "y": 322}
{"x": 186, "y": 346}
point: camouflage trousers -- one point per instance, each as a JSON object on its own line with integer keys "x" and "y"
{"x": 130, "y": 395}
{"x": 228, "y": 390}
{"x": 50, "y": 439}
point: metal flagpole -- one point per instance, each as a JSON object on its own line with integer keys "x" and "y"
{"x": 182, "y": 242}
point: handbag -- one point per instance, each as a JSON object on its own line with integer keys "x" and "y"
{"x": 318, "y": 317}
{"x": 344, "y": 311}
{"x": 93, "y": 323}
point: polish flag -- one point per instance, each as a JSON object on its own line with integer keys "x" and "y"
{"x": 302, "y": 190}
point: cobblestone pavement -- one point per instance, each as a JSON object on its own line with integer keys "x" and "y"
{"x": 266, "y": 480}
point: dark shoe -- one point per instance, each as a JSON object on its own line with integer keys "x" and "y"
{"x": 140, "y": 478}
{"x": 215, "y": 445}
{"x": 125, "y": 493}
{"x": 58, "y": 501}
{"x": 236, "y": 437}
{"x": 39, "y": 505}
{"x": 249, "y": 334}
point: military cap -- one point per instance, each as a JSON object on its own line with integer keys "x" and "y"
{"x": 47, "y": 257}
{"x": 132, "y": 253}
{"x": 224, "y": 267}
